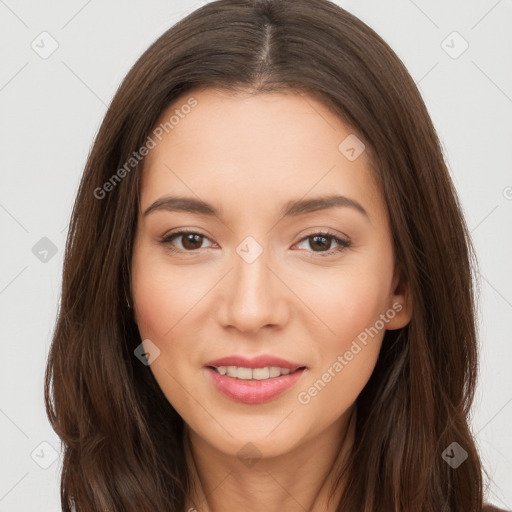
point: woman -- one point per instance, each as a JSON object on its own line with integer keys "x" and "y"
{"x": 267, "y": 299}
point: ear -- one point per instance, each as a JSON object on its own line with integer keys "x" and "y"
{"x": 400, "y": 301}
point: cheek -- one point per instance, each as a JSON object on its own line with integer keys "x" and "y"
{"x": 351, "y": 307}
{"x": 154, "y": 306}
{"x": 162, "y": 301}
{"x": 347, "y": 304}
{"x": 163, "y": 297}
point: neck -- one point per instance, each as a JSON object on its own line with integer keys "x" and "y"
{"x": 302, "y": 479}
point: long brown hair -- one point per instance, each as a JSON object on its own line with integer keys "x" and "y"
{"x": 122, "y": 439}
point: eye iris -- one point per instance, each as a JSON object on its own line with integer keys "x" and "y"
{"x": 192, "y": 237}
{"x": 324, "y": 245}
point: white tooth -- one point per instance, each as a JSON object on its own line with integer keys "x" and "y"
{"x": 232, "y": 371}
{"x": 274, "y": 371}
{"x": 261, "y": 373}
{"x": 268, "y": 372}
{"x": 244, "y": 373}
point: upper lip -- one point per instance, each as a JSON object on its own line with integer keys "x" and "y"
{"x": 261, "y": 361}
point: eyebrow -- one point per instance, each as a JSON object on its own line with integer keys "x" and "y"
{"x": 292, "y": 208}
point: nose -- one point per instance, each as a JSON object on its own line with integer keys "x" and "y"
{"x": 253, "y": 296}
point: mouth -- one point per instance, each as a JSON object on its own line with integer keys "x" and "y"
{"x": 253, "y": 381}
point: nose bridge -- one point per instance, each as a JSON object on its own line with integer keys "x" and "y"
{"x": 253, "y": 295}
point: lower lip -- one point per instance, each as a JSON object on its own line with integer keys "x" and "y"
{"x": 253, "y": 391}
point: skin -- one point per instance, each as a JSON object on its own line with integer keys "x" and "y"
{"x": 248, "y": 155}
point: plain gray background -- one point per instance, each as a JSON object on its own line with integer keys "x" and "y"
{"x": 52, "y": 107}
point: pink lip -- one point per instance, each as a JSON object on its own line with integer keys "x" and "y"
{"x": 255, "y": 362}
{"x": 252, "y": 391}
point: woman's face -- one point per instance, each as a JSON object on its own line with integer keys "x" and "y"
{"x": 251, "y": 280}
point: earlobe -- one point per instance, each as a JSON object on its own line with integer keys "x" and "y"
{"x": 400, "y": 304}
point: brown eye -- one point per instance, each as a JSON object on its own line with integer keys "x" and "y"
{"x": 320, "y": 244}
{"x": 190, "y": 241}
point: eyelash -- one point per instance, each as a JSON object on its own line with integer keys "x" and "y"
{"x": 342, "y": 244}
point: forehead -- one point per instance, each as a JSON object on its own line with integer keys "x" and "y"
{"x": 255, "y": 148}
